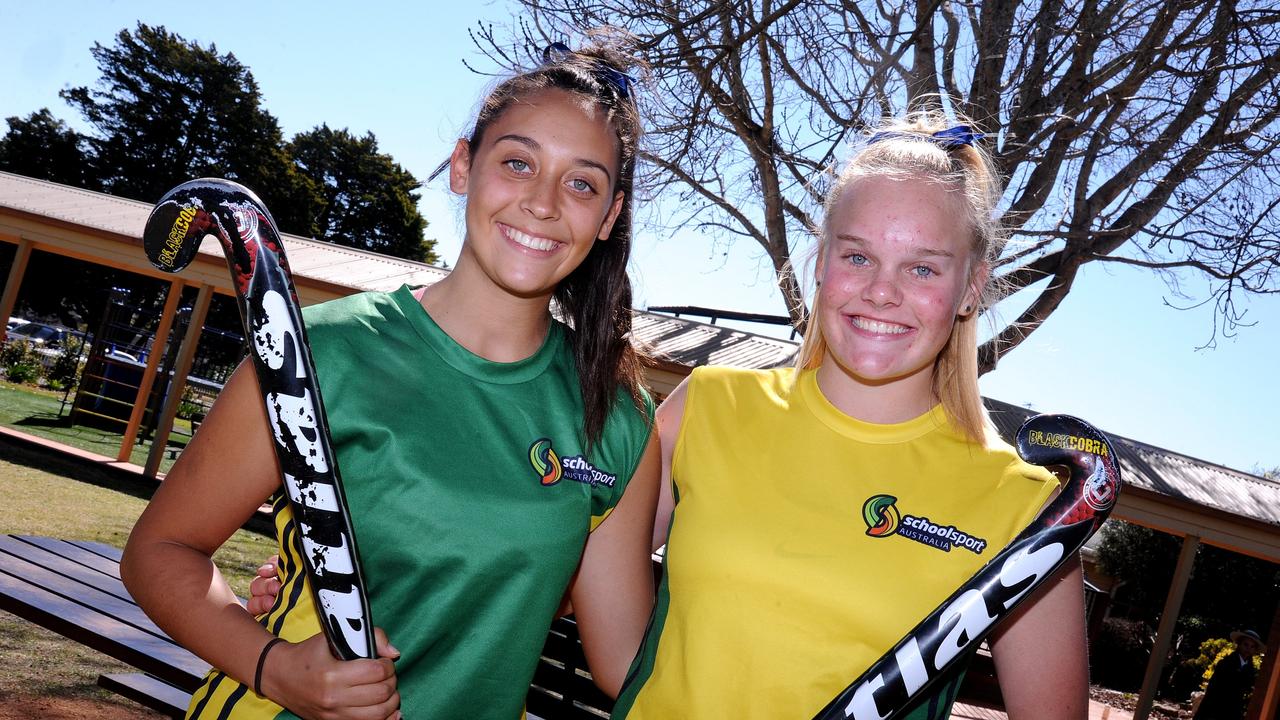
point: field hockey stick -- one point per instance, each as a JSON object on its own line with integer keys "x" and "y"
{"x": 286, "y": 378}
{"x": 934, "y": 646}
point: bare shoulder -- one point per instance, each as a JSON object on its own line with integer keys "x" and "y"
{"x": 670, "y": 414}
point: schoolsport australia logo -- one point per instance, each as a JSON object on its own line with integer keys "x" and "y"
{"x": 883, "y": 519}
{"x": 881, "y": 515}
{"x": 551, "y": 468}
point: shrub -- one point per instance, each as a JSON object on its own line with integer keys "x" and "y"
{"x": 1212, "y": 651}
{"x": 1184, "y": 674}
{"x": 190, "y": 405}
{"x": 16, "y": 351}
{"x": 23, "y": 373}
{"x": 65, "y": 370}
{"x": 20, "y": 361}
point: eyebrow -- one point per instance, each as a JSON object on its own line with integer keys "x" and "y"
{"x": 535, "y": 145}
{"x": 918, "y": 250}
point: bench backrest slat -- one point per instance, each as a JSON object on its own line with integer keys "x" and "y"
{"x": 71, "y": 551}
{"x": 102, "y": 632}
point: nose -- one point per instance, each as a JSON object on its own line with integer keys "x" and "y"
{"x": 542, "y": 201}
{"x": 882, "y": 289}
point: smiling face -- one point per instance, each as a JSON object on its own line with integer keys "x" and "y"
{"x": 897, "y": 270}
{"x": 540, "y": 191}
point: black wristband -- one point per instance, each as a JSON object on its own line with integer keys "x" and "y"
{"x": 262, "y": 660}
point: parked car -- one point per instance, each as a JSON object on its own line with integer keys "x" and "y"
{"x": 15, "y": 322}
{"x": 48, "y": 340}
{"x": 45, "y": 337}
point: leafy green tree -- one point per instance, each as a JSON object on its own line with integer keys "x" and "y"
{"x": 42, "y": 146}
{"x": 1226, "y": 587}
{"x": 1231, "y": 590}
{"x": 167, "y": 110}
{"x": 1143, "y": 559}
{"x": 367, "y": 200}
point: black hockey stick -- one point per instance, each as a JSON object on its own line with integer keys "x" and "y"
{"x": 286, "y": 376}
{"x": 934, "y": 646}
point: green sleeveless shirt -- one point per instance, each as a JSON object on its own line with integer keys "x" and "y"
{"x": 471, "y": 491}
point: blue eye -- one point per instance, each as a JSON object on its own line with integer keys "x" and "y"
{"x": 581, "y": 185}
{"x": 857, "y": 259}
{"x": 922, "y": 271}
{"x": 517, "y": 165}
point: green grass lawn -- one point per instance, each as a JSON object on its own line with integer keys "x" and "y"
{"x": 40, "y": 412}
{"x": 47, "y": 494}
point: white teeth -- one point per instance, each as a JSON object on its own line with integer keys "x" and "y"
{"x": 877, "y": 326}
{"x": 531, "y": 242}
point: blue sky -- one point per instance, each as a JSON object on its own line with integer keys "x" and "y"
{"x": 1115, "y": 353}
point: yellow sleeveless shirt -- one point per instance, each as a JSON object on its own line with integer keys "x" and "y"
{"x": 805, "y": 543}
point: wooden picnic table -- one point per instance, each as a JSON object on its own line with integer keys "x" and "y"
{"x": 73, "y": 587}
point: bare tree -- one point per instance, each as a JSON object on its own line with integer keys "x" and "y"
{"x": 1141, "y": 132}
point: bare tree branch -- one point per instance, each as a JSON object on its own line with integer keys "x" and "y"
{"x": 1141, "y": 132}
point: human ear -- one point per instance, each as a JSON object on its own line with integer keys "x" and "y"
{"x": 819, "y": 265}
{"x": 615, "y": 209}
{"x": 978, "y": 278}
{"x": 460, "y": 166}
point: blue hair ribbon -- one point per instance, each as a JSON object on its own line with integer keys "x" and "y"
{"x": 621, "y": 81}
{"x": 953, "y": 137}
{"x": 554, "y": 52}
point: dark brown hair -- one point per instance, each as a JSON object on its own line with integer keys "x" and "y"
{"x": 594, "y": 299}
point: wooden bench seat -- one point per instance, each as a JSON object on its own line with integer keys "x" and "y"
{"x": 562, "y": 687}
{"x": 74, "y": 589}
{"x": 148, "y": 691}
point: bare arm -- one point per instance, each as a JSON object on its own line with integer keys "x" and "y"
{"x": 1040, "y": 654}
{"x": 222, "y": 477}
{"x": 612, "y": 592}
{"x": 670, "y": 415}
{"x": 226, "y": 472}
{"x": 610, "y": 655}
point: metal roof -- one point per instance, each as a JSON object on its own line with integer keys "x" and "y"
{"x": 1172, "y": 474}
{"x": 309, "y": 259}
{"x": 692, "y": 343}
